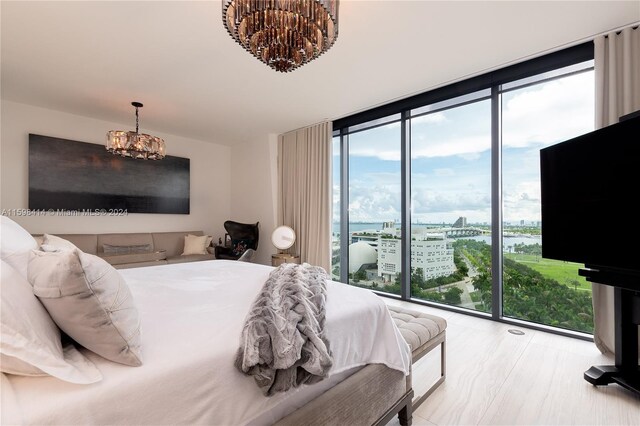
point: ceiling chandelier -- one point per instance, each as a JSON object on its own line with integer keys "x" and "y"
{"x": 134, "y": 144}
{"x": 283, "y": 34}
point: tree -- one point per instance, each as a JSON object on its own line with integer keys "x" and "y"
{"x": 452, "y": 296}
{"x": 417, "y": 278}
{"x": 360, "y": 275}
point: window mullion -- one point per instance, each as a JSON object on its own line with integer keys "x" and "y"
{"x": 344, "y": 206}
{"x": 496, "y": 204}
{"x": 405, "y": 152}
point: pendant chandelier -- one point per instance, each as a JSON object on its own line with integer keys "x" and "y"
{"x": 284, "y": 34}
{"x": 135, "y": 144}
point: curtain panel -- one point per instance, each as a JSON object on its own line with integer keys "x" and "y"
{"x": 304, "y": 191}
{"x": 617, "y": 76}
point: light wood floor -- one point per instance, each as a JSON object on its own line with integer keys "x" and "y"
{"x": 497, "y": 378}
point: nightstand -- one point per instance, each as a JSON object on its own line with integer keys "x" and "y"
{"x": 280, "y": 258}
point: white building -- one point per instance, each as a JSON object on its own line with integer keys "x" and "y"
{"x": 433, "y": 256}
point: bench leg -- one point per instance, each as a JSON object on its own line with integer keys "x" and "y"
{"x": 443, "y": 375}
{"x": 405, "y": 416}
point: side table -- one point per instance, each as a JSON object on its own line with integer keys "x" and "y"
{"x": 280, "y": 258}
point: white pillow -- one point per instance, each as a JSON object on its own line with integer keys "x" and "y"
{"x": 57, "y": 242}
{"x": 15, "y": 245}
{"x": 89, "y": 300}
{"x": 30, "y": 341}
{"x": 194, "y": 244}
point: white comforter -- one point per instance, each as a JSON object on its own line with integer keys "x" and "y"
{"x": 192, "y": 316}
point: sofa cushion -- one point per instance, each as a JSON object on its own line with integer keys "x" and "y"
{"x": 122, "y": 259}
{"x": 171, "y": 242}
{"x": 140, "y": 264}
{"x": 190, "y": 258}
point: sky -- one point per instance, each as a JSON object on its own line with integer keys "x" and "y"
{"x": 451, "y": 156}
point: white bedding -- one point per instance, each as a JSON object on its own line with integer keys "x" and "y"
{"x": 192, "y": 316}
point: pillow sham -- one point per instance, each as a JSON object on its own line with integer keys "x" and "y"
{"x": 30, "y": 342}
{"x": 15, "y": 245}
{"x": 89, "y": 300}
{"x": 195, "y": 244}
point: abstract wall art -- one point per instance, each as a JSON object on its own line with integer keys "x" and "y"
{"x": 71, "y": 175}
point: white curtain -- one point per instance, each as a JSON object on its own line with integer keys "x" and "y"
{"x": 617, "y": 75}
{"x": 304, "y": 191}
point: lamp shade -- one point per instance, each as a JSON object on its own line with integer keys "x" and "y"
{"x": 135, "y": 144}
{"x": 283, "y": 237}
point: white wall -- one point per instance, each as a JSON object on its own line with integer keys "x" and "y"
{"x": 254, "y": 189}
{"x": 210, "y": 175}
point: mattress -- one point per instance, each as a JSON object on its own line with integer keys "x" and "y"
{"x": 192, "y": 316}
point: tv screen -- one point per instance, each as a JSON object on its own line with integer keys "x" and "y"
{"x": 589, "y": 185}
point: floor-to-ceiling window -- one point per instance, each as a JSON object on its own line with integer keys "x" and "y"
{"x": 459, "y": 167}
{"x": 538, "y": 112}
{"x": 374, "y": 205}
{"x": 451, "y": 200}
{"x": 335, "y": 213}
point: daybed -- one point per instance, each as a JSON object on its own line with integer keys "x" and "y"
{"x": 159, "y": 248}
{"x": 191, "y": 317}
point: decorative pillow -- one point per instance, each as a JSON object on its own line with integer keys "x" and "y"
{"x": 30, "y": 342}
{"x": 238, "y": 247}
{"x": 15, "y": 245}
{"x": 57, "y": 242}
{"x": 89, "y": 300}
{"x": 123, "y": 259}
{"x": 111, "y": 250}
{"x": 194, "y": 244}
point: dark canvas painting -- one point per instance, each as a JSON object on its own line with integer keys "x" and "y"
{"x": 71, "y": 175}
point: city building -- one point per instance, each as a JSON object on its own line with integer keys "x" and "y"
{"x": 434, "y": 255}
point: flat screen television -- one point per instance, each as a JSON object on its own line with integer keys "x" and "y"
{"x": 589, "y": 185}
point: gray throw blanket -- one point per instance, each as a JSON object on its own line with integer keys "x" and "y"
{"x": 283, "y": 343}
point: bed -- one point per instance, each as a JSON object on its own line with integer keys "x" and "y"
{"x": 192, "y": 316}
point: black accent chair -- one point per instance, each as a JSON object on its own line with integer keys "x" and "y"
{"x": 244, "y": 236}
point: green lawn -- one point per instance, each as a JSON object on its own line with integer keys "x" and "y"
{"x": 563, "y": 272}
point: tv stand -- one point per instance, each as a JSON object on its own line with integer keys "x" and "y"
{"x": 626, "y": 285}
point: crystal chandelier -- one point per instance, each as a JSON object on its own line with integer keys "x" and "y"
{"x": 283, "y": 34}
{"x": 134, "y": 144}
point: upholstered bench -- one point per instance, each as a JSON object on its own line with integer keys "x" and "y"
{"x": 423, "y": 332}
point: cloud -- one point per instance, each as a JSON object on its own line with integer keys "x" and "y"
{"x": 454, "y": 177}
{"x": 437, "y": 117}
{"x": 548, "y": 113}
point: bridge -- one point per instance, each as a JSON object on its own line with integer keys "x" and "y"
{"x": 468, "y": 231}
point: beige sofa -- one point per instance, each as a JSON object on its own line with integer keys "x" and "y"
{"x": 131, "y": 250}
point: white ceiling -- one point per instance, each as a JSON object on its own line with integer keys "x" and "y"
{"x": 94, "y": 58}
